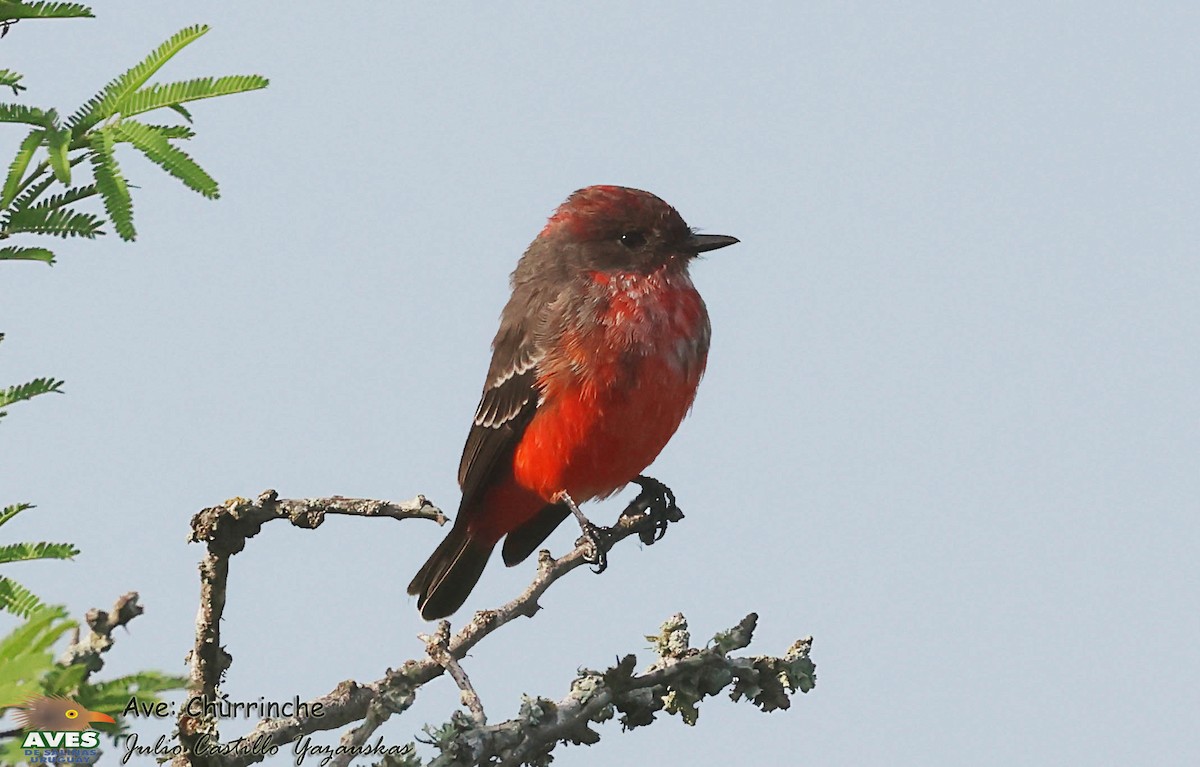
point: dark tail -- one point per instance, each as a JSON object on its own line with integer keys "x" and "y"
{"x": 522, "y": 542}
{"x": 445, "y": 580}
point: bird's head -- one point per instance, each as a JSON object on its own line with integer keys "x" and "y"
{"x": 57, "y": 714}
{"x": 615, "y": 228}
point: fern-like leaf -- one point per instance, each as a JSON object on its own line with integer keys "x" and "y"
{"x": 143, "y": 686}
{"x": 38, "y": 633}
{"x": 16, "y": 171}
{"x": 14, "y": 253}
{"x": 11, "y": 79}
{"x": 16, "y": 599}
{"x": 170, "y": 94}
{"x": 58, "y": 142}
{"x": 58, "y": 222}
{"x": 104, "y": 104}
{"x": 28, "y": 391}
{"x": 65, "y": 680}
{"x": 74, "y": 194}
{"x": 111, "y": 184}
{"x": 24, "y": 552}
{"x": 34, "y": 189}
{"x": 173, "y": 131}
{"x": 26, "y": 652}
{"x": 181, "y": 111}
{"x": 11, "y": 511}
{"x": 21, "y": 113}
{"x": 31, "y": 192}
{"x": 161, "y": 152}
{"x": 10, "y": 10}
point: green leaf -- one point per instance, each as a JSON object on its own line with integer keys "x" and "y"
{"x": 181, "y": 110}
{"x": 173, "y": 131}
{"x": 16, "y": 599}
{"x": 28, "y": 391}
{"x": 13, "y": 253}
{"x": 59, "y": 222}
{"x": 20, "y": 113}
{"x": 58, "y": 144}
{"x": 173, "y": 160}
{"x": 43, "y": 10}
{"x": 113, "y": 696}
{"x": 71, "y": 195}
{"x": 30, "y": 193}
{"x": 43, "y": 633}
{"x": 111, "y": 184}
{"x": 172, "y": 94}
{"x": 16, "y": 171}
{"x": 26, "y": 652}
{"x": 104, "y": 104}
{"x": 24, "y": 552}
{"x": 65, "y": 680}
{"x": 11, "y": 511}
{"x": 11, "y": 79}
{"x": 143, "y": 686}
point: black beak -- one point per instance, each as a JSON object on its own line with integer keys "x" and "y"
{"x": 702, "y": 243}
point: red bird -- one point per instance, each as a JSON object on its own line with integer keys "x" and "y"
{"x": 595, "y": 364}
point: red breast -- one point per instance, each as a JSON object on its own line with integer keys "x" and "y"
{"x": 618, "y": 386}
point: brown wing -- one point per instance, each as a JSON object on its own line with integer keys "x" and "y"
{"x": 505, "y": 409}
{"x": 534, "y": 317}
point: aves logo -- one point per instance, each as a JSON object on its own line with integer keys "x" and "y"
{"x": 58, "y": 723}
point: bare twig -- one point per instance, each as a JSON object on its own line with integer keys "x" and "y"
{"x": 398, "y": 687}
{"x": 89, "y": 650}
{"x": 225, "y": 529}
{"x": 354, "y": 739}
{"x": 208, "y": 660}
{"x": 676, "y": 682}
{"x": 438, "y": 648}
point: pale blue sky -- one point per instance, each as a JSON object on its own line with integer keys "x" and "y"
{"x": 950, "y": 425}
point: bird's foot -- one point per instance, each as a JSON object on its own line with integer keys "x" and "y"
{"x": 597, "y": 554}
{"x": 593, "y": 537}
{"x": 655, "y": 502}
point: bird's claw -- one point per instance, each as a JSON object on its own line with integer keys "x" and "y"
{"x": 597, "y": 556}
{"x": 593, "y": 537}
{"x": 657, "y": 502}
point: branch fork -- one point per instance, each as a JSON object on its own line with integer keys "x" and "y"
{"x": 676, "y": 682}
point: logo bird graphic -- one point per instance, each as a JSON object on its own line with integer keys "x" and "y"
{"x": 57, "y": 714}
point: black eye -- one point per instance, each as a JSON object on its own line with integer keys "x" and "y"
{"x": 633, "y": 240}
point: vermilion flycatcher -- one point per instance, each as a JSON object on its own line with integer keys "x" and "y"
{"x": 596, "y": 362}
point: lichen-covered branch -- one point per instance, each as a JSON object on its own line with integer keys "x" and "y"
{"x": 680, "y": 678}
{"x": 88, "y": 650}
{"x": 226, "y": 527}
{"x": 438, "y": 648}
{"x": 225, "y": 530}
